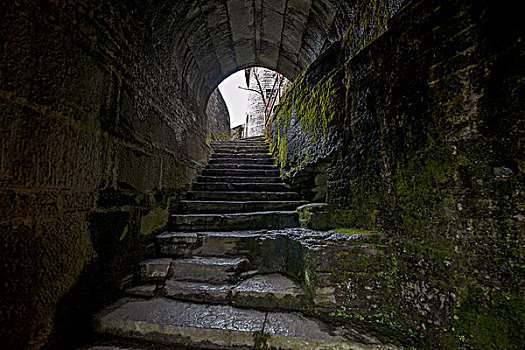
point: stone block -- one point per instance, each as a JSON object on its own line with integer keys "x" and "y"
{"x": 273, "y": 291}
{"x": 208, "y": 269}
{"x": 155, "y": 220}
{"x": 137, "y": 169}
{"x": 154, "y": 269}
{"x": 315, "y": 216}
{"x": 176, "y": 243}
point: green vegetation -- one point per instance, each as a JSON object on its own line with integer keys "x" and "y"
{"x": 370, "y": 21}
{"x": 312, "y": 107}
{"x": 353, "y": 231}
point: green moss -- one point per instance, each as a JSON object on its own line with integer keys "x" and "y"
{"x": 487, "y": 319}
{"x": 353, "y": 231}
{"x": 154, "y": 221}
{"x": 421, "y": 184}
{"x": 370, "y": 21}
{"x": 312, "y": 106}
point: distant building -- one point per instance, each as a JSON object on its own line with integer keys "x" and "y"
{"x": 237, "y": 132}
{"x": 266, "y": 88}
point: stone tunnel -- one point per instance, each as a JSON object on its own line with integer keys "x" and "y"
{"x": 405, "y": 117}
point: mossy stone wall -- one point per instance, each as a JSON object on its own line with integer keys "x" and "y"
{"x": 426, "y": 116}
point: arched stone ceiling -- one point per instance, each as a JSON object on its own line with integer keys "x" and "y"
{"x": 213, "y": 39}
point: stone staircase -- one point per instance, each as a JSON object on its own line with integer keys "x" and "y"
{"x": 214, "y": 283}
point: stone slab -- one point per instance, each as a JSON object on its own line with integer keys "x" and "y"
{"x": 273, "y": 291}
{"x": 154, "y": 269}
{"x": 226, "y": 244}
{"x": 175, "y": 322}
{"x": 237, "y": 206}
{"x": 240, "y": 172}
{"x": 242, "y": 179}
{"x": 176, "y": 243}
{"x": 242, "y": 196}
{"x": 297, "y": 332}
{"x": 241, "y": 166}
{"x": 262, "y": 155}
{"x": 225, "y": 186}
{"x": 207, "y": 269}
{"x": 221, "y": 326}
{"x": 242, "y": 160}
{"x": 242, "y": 221}
{"x": 198, "y": 291}
{"x": 146, "y": 291}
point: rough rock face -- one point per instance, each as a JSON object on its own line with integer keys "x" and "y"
{"x": 413, "y": 141}
{"x": 218, "y": 117}
{"x": 97, "y": 137}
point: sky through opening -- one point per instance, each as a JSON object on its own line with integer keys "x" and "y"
{"x": 236, "y": 99}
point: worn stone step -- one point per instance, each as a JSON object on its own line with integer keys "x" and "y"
{"x": 241, "y": 172}
{"x": 142, "y": 291}
{"x": 199, "y": 206}
{"x": 224, "y": 327}
{"x": 243, "y": 155}
{"x": 225, "y": 186}
{"x": 234, "y": 153}
{"x": 242, "y": 196}
{"x": 240, "y": 149}
{"x": 242, "y": 166}
{"x": 271, "y": 292}
{"x": 110, "y": 342}
{"x": 220, "y": 244}
{"x": 240, "y": 179}
{"x": 231, "y": 222}
{"x": 198, "y": 292}
{"x": 239, "y": 142}
{"x": 242, "y": 160}
{"x": 208, "y": 269}
{"x": 153, "y": 270}
{"x": 263, "y": 292}
{"x": 176, "y": 244}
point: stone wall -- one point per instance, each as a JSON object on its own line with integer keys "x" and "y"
{"x": 268, "y": 82}
{"x": 411, "y": 133}
{"x": 218, "y": 117}
{"x": 98, "y": 135}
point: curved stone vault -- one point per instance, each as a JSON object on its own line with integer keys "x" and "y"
{"x": 213, "y": 39}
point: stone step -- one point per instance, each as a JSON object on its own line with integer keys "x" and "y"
{"x": 241, "y": 160}
{"x": 240, "y": 149}
{"x": 225, "y": 186}
{"x": 208, "y": 269}
{"x": 189, "y": 206}
{"x": 153, "y": 270}
{"x": 142, "y": 291}
{"x": 241, "y": 179}
{"x": 176, "y": 244}
{"x": 243, "y": 140}
{"x": 269, "y": 292}
{"x": 241, "y": 196}
{"x": 241, "y": 172}
{"x": 243, "y": 155}
{"x": 239, "y": 142}
{"x": 241, "y": 152}
{"x": 262, "y": 292}
{"x": 222, "y": 244}
{"x": 242, "y": 166}
{"x": 200, "y": 292}
{"x": 224, "y": 327}
{"x": 232, "y": 222}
